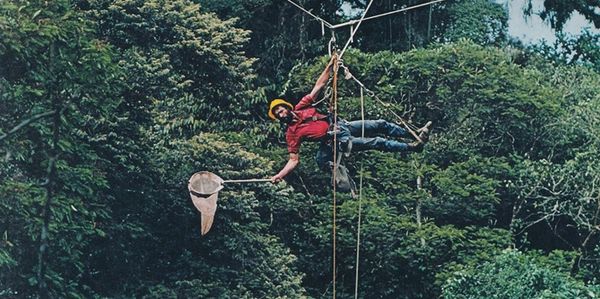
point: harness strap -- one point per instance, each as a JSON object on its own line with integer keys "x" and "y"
{"x": 314, "y": 118}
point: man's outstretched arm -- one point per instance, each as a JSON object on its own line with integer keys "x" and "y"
{"x": 289, "y": 166}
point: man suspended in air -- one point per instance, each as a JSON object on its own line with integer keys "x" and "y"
{"x": 305, "y": 123}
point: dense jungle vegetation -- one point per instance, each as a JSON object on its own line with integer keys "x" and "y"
{"x": 107, "y": 107}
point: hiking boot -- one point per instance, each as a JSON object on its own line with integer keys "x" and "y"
{"x": 424, "y": 135}
{"x": 424, "y": 132}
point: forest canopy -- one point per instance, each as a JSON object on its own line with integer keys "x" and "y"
{"x": 108, "y": 107}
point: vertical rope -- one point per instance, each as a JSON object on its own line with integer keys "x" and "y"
{"x": 360, "y": 184}
{"x": 335, "y": 166}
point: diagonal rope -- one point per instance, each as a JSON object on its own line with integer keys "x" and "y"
{"x": 349, "y": 23}
{"x": 355, "y": 29}
{"x": 410, "y": 127}
{"x": 311, "y": 14}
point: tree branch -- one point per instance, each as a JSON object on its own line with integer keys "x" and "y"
{"x": 25, "y": 123}
{"x": 47, "y": 212}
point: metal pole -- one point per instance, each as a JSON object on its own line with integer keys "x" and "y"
{"x": 247, "y": 181}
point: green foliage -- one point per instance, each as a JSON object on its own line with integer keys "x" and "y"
{"x": 284, "y": 37}
{"x": 482, "y": 21}
{"x": 281, "y": 34}
{"x": 238, "y": 258}
{"x": 159, "y": 292}
{"x": 189, "y": 64}
{"x": 580, "y": 50}
{"x": 515, "y": 275}
{"x": 559, "y": 12}
{"x": 149, "y": 92}
{"x": 468, "y": 192}
{"x": 56, "y": 64}
{"x": 589, "y": 267}
{"x": 486, "y": 119}
{"x": 562, "y": 190}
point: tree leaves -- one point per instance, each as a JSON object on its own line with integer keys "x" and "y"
{"x": 153, "y": 91}
{"x": 515, "y": 275}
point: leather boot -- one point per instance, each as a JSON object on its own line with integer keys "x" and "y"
{"x": 424, "y": 132}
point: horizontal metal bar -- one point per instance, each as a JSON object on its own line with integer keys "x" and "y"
{"x": 247, "y": 181}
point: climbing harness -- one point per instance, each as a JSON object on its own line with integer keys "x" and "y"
{"x": 204, "y": 189}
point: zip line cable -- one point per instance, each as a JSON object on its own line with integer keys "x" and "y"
{"x": 349, "y": 23}
{"x": 311, "y": 14}
{"x": 384, "y": 14}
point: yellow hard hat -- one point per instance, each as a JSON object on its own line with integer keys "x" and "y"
{"x": 275, "y": 103}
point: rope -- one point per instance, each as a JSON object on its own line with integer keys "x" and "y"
{"x": 352, "y": 32}
{"x": 333, "y": 107}
{"x": 360, "y": 184}
{"x": 331, "y": 46}
{"x": 349, "y": 23}
{"x": 335, "y": 165}
{"x": 410, "y": 127}
{"x": 326, "y": 95}
{"x": 311, "y": 14}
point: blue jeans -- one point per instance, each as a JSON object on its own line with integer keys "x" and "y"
{"x": 352, "y": 131}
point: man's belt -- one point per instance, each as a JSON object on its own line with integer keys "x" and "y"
{"x": 314, "y": 118}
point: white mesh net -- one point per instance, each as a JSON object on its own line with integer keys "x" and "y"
{"x": 204, "y": 187}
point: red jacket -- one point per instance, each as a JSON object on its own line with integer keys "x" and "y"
{"x": 311, "y": 125}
